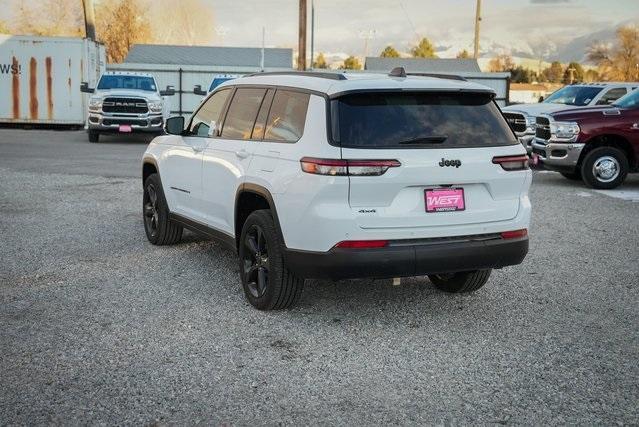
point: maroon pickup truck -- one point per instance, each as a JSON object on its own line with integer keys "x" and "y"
{"x": 599, "y": 145}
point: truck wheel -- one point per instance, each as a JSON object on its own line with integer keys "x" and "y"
{"x": 160, "y": 230}
{"x": 460, "y": 282}
{"x": 573, "y": 176}
{"x": 94, "y": 136}
{"x": 267, "y": 283}
{"x": 604, "y": 167}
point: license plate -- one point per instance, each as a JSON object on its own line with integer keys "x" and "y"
{"x": 445, "y": 200}
{"x": 125, "y": 129}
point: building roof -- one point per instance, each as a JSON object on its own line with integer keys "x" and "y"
{"x": 356, "y": 81}
{"x": 423, "y": 65}
{"x": 209, "y": 55}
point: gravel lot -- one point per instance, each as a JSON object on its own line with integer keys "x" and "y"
{"x": 99, "y": 326}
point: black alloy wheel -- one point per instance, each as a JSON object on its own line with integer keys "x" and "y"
{"x": 255, "y": 261}
{"x": 151, "y": 215}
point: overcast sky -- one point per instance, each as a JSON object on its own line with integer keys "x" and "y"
{"x": 339, "y": 24}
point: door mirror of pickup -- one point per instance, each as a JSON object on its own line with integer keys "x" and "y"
{"x": 170, "y": 91}
{"x": 174, "y": 125}
{"x": 197, "y": 89}
{"x": 84, "y": 87}
{"x": 541, "y": 98}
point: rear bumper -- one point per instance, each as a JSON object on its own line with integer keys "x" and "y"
{"x": 404, "y": 259}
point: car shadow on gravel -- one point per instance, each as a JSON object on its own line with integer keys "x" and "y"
{"x": 118, "y": 138}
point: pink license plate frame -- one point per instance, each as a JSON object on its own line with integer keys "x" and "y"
{"x": 444, "y": 200}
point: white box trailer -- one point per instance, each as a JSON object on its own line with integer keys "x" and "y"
{"x": 40, "y": 78}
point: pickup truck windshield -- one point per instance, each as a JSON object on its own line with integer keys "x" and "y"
{"x": 629, "y": 101}
{"x": 573, "y": 95}
{"x": 418, "y": 120}
{"x": 127, "y": 82}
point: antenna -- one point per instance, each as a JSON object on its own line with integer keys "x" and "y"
{"x": 397, "y": 72}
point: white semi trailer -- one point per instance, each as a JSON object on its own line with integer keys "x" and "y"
{"x": 40, "y": 78}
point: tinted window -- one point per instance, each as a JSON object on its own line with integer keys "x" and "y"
{"x": 287, "y": 116}
{"x": 419, "y": 120}
{"x": 210, "y": 111}
{"x": 242, "y": 112}
{"x": 612, "y": 95}
{"x": 110, "y": 81}
{"x": 574, "y": 95}
{"x": 260, "y": 122}
{"x": 629, "y": 101}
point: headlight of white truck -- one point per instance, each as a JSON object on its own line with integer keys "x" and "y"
{"x": 95, "y": 103}
{"x": 565, "y": 130}
{"x": 155, "y": 107}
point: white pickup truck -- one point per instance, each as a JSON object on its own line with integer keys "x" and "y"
{"x": 126, "y": 102}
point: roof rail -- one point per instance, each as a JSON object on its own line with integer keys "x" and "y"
{"x": 439, "y": 76}
{"x": 401, "y": 72}
{"x": 318, "y": 74}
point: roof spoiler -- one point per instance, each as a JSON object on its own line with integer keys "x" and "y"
{"x": 401, "y": 72}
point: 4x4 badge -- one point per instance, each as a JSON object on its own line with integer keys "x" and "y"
{"x": 444, "y": 162}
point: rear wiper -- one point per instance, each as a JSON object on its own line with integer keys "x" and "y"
{"x": 435, "y": 139}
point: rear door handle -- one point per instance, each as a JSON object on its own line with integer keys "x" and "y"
{"x": 242, "y": 154}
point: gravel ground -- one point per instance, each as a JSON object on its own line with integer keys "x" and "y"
{"x": 100, "y": 327}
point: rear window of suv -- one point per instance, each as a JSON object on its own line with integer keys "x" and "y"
{"x": 418, "y": 120}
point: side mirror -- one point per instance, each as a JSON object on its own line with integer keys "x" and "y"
{"x": 84, "y": 87}
{"x": 174, "y": 125}
{"x": 541, "y": 98}
{"x": 197, "y": 89}
{"x": 170, "y": 91}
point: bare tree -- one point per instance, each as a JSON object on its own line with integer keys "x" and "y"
{"x": 187, "y": 22}
{"x": 120, "y": 25}
{"x": 501, "y": 63}
{"x": 620, "y": 60}
{"x": 48, "y": 18}
{"x": 352, "y": 63}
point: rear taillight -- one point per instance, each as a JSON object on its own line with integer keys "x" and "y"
{"x": 362, "y": 244}
{"x": 514, "y": 234}
{"x": 512, "y": 163}
{"x": 347, "y": 167}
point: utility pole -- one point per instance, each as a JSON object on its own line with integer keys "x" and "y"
{"x": 312, "y": 32}
{"x": 301, "y": 47}
{"x": 89, "y": 19}
{"x": 477, "y": 21}
{"x": 367, "y": 35}
{"x": 571, "y": 71}
{"x": 262, "y": 53}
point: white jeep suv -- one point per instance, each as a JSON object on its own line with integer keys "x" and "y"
{"x": 337, "y": 176}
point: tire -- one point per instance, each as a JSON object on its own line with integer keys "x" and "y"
{"x": 460, "y": 282}
{"x": 267, "y": 283}
{"x": 160, "y": 230}
{"x": 94, "y": 136}
{"x": 573, "y": 176}
{"x": 604, "y": 168}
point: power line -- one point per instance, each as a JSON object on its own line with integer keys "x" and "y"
{"x": 410, "y": 22}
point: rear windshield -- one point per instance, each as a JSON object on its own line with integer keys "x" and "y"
{"x": 418, "y": 120}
